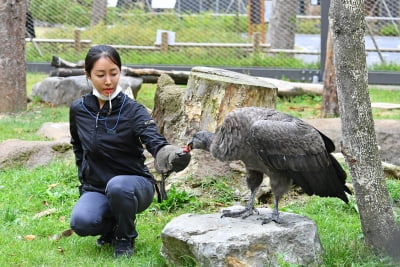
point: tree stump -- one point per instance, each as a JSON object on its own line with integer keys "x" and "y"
{"x": 212, "y": 93}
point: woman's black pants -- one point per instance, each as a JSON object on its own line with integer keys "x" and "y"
{"x": 115, "y": 211}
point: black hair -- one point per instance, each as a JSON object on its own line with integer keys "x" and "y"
{"x": 99, "y": 51}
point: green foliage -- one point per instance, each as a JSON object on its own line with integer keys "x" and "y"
{"x": 176, "y": 200}
{"x": 218, "y": 189}
{"x": 394, "y": 189}
{"x": 391, "y": 66}
{"x": 25, "y": 193}
{"x": 390, "y": 30}
{"x": 303, "y": 106}
{"x": 388, "y": 96}
{"x": 61, "y": 12}
{"x": 308, "y": 26}
{"x": 24, "y": 125}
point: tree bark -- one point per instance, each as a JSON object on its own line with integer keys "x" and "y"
{"x": 282, "y": 25}
{"x": 330, "y": 106}
{"x": 359, "y": 140}
{"x": 12, "y": 56}
{"x": 99, "y": 12}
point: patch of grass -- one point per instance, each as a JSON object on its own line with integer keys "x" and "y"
{"x": 32, "y": 78}
{"x": 387, "y": 96}
{"x": 146, "y": 95}
{"x": 25, "y": 193}
{"x": 24, "y": 125}
{"x": 304, "y": 106}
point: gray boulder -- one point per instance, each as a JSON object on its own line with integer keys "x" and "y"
{"x": 63, "y": 90}
{"x": 209, "y": 240}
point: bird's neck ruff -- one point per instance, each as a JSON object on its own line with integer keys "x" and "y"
{"x": 209, "y": 137}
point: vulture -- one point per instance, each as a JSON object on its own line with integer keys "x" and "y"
{"x": 285, "y": 148}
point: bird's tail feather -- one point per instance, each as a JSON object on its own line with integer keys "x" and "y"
{"x": 328, "y": 182}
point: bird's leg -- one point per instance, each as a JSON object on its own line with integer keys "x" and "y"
{"x": 275, "y": 213}
{"x": 163, "y": 192}
{"x": 246, "y": 212}
{"x": 254, "y": 180}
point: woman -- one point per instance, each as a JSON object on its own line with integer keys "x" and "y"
{"x": 108, "y": 132}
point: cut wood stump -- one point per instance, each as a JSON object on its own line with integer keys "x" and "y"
{"x": 210, "y": 95}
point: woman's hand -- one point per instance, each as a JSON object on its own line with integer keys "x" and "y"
{"x": 171, "y": 158}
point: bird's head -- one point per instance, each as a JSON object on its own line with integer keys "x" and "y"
{"x": 200, "y": 140}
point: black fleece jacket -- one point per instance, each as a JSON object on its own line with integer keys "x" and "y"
{"x": 109, "y": 143}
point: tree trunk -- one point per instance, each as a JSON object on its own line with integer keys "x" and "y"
{"x": 359, "y": 140}
{"x": 282, "y": 25}
{"x": 330, "y": 106}
{"x": 12, "y": 55}
{"x": 99, "y": 11}
{"x": 210, "y": 95}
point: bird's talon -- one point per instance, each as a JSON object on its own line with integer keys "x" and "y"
{"x": 265, "y": 220}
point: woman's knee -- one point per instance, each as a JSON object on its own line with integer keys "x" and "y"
{"x": 84, "y": 225}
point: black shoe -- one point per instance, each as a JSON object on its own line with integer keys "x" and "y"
{"x": 105, "y": 240}
{"x": 124, "y": 247}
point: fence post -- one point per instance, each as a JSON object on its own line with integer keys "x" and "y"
{"x": 256, "y": 42}
{"x": 325, "y": 4}
{"x": 164, "y": 41}
{"x": 77, "y": 40}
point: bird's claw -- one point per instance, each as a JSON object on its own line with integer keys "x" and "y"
{"x": 241, "y": 213}
{"x": 273, "y": 218}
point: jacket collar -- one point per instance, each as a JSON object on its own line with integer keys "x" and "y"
{"x": 92, "y": 104}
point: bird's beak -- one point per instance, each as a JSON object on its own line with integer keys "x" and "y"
{"x": 189, "y": 146}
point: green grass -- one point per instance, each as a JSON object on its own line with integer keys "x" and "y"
{"x": 24, "y": 193}
{"x": 309, "y": 106}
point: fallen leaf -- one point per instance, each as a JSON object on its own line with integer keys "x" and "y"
{"x": 45, "y": 213}
{"x": 60, "y": 250}
{"x": 50, "y": 186}
{"x": 29, "y": 237}
{"x": 65, "y": 233}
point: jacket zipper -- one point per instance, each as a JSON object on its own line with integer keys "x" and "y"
{"x": 97, "y": 118}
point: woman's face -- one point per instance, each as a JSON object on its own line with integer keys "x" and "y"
{"x": 105, "y": 76}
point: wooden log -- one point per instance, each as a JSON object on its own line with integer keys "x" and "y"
{"x": 289, "y": 89}
{"x": 149, "y": 75}
{"x": 61, "y": 63}
{"x": 212, "y": 93}
{"x": 67, "y": 72}
{"x": 152, "y": 75}
{"x": 390, "y": 170}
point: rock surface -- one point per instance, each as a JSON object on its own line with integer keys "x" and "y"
{"x": 62, "y": 91}
{"x": 209, "y": 240}
{"x": 31, "y": 154}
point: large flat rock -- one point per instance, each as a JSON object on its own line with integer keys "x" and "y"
{"x": 209, "y": 240}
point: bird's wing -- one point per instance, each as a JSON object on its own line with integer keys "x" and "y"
{"x": 295, "y": 149}
{"x": 289, "y": 144}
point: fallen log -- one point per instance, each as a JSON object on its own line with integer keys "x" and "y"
{"x": 390, "y": 170}
{"x": 66, "y": 72}
{"x": 289, "y": 89}
{"x": 65, "y": 68}
{"x": 152, "y": 75}
{"x": 285, "y": 88}
{"x": 61, "y": 63}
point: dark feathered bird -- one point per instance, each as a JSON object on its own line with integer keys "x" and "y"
{"x": 283, "y": 147}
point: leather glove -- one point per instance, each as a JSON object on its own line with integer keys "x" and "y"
{"x": 171, "y": 158}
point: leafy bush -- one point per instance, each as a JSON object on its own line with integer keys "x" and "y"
{"x": 176, "y": 200}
